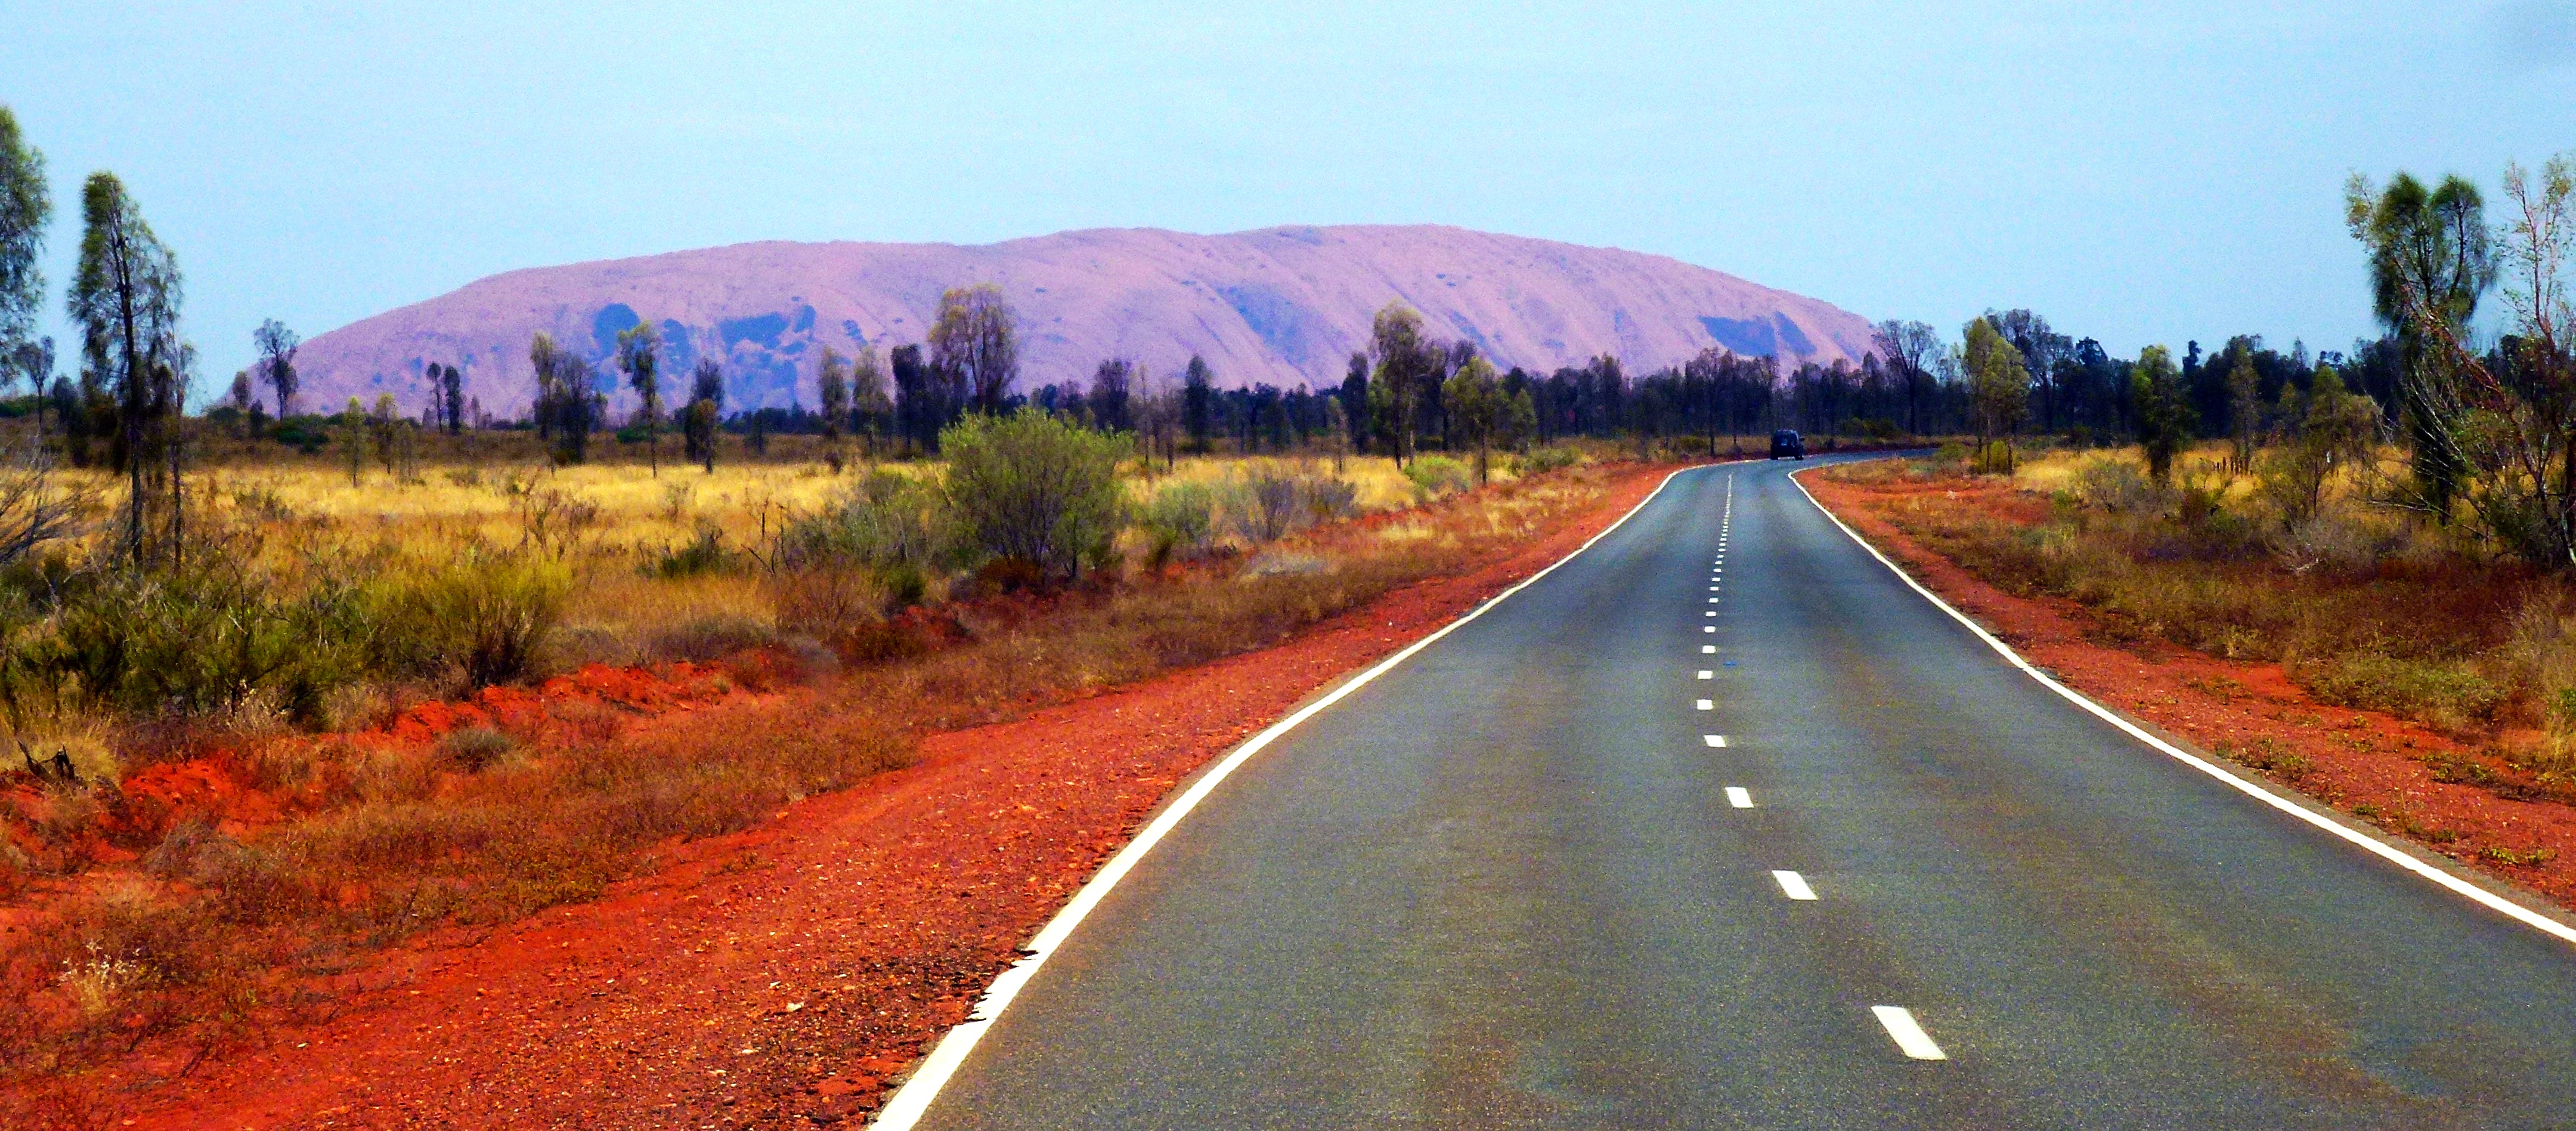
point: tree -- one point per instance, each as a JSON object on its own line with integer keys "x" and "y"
{"x": 1908, "y": 349}
{"x": 832, "y": 392}
{"x": 869, "y": 404}
{"x": 1478, "y": 412}
{"x": 1355, "y": 400}
{"x": 1406, "y": 364}
{"x": 452, "y": 385}
{"x": 276, "y": 364}
{"x": 1198, "y": 396}
{"x": 2325, "y": 430}
{"x": 1108, "y": 397}
{"x": 1337, "y": 433}
{"x": 2508, "y": 415}
{"x": 568, "y": 406}
{"x": 25, "y": 206}
{"x": 1998, "y": 383}
{"x": 352, "y": 439}
{"x": 2041, "y": 349}
{"x": 698, "y": 423}
{"x": 2163, "y": 409}
{"x": 639, "y": 356}
{"x": 2244, "y": 405}
{"x": 917, "y": 416}
{"x": 973, "y": 343}
{"x": 125, "y": 298}
{"x": 2431, "y": 258}
{"x": 1034, "y": 489}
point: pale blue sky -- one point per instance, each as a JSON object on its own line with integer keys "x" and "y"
{"x": 2135, "y": 172}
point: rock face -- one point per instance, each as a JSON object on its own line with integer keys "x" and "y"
{"x": 1281, "y": 306}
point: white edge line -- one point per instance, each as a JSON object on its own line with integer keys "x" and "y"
{"x": 2457, "y": 886}
{"x": 911, "y": 1101}
{"x": 1908, "y": 1034}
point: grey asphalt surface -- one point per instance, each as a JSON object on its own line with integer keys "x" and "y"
{"x": 1502, "y": 887}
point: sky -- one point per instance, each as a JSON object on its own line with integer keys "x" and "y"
{"x": 2136, "y": 173}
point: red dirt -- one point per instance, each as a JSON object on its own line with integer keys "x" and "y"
{"x": 786, "y": 972}
{"x": 212, "y": 781}
{"x": 2366, "y": 763}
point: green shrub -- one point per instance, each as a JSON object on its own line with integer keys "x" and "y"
{"x": 1328, "y": 499}
{"x": 1995, "y": 458}
{"x": 475, "y": 748}
{"x": 2433, "y": 692}
{"x": 705, "y": 553}
{"x": 1180, "y": 520}
{"x": 1540, "y": 461}
{"x": 196, "y": 640}
{"x": 885, "y": 520}
{"x": 1265, "y": 505}
{"x": 705, "y": 638}
{"x": 1035, "y": 488}
{"x": 1434, "y": 476}
{"x": 2116, "y": 486}
{"x": 484, "y": 616}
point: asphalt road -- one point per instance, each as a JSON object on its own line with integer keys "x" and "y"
{"x": 1509, "y": 884}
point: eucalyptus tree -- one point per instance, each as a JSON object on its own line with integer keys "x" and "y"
{"x": 2431, "y": 259}
{"x": 639, "y": 356}
{"x": 276, "y": 364}
{"x": 974, "y": 343}
{"x": 25, "y": 206}
{"x": 125, "y": 298}
{"x": 705, "y": 411}
{"x": 1909, "y": 349}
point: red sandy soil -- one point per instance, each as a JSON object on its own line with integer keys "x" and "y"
{"x": 780, "y": 976}
{"x": 207, "y": 779}
{"x": 2365, "y": 763}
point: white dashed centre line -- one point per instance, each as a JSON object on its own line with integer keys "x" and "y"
{"x": 1715, "y": 741}
{"x": 1739, "y": 797}
{"x": 1909, "y": 1036}
{"x": 1704, "y": 673}
{"x": 1708, "y": 628}
{"x": 1708, "y": 649}
{"x": 1793, "y": 885}
{"x": 1708, "y": 704}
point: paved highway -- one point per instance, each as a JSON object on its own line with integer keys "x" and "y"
{"x": 1722, "y": 825}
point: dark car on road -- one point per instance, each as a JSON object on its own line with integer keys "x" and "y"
{"x": 1786, "y": 443}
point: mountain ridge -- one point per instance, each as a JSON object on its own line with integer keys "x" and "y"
{"x": 1280, "y": 305}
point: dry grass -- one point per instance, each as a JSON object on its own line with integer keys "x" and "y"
{"x": 210, "y": 936}
{"x": 2361, "y": 606}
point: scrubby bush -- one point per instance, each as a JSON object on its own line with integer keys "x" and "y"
{"x": 2440, "y": 693}
{"x": 1266, "y": 505}
{"x": 1328, "y": 499}
{"x": 483, "y": 617}
{"x": 475, "y": 748}
{"x": 203, "y": 638}
{"x": 2117, "y": 486}
{"x": 1434, "y": 476}
{"x": 885, "y": 520}
{"x": 1995, "y": 457}
{"x": 713, "y": 637}
{"x": 1035, "y": 488}
{"x": 1540, "y": 461}
{"x": 703, "y": 553}
{"x": 1178, "y": 521}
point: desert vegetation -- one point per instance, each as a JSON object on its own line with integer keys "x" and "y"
{"x": 2391, "y": 526}
{"x": 281, "y": 686}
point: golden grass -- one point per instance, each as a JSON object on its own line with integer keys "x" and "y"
{"x": 216, "y": 935}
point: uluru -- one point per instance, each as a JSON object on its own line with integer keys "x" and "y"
{"x": 1281, "y": 306}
